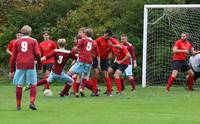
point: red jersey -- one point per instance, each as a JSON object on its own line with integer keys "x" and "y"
{"x": 104, "y": 46}
{"x": 181, "y": 45}
{"x": 47, "y": 47}
{"x": 61, "y": 56}
{"x": 131, "y": 50}
{"x": 24, "y": 54}
{"x": 11, "y": 46}
{"x": 87, "y": 48}
{"x": 120, "y": 53}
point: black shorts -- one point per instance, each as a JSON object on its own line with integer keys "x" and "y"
{"x": 104, "y": 64}
{"x": 47, "y": 67}
{"x": 196, "y": 75}
{"x": 180, "y": 65}
{"x": 122, "y": 67}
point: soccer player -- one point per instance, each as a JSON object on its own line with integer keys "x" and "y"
{"x": 104, "y": 44}
{"x": 133, "y": 63}
{"x": 12, "y": 43}
{"x": 194, "y": 63}
{"x": 180, "y": 50}
{"x": 24, "y": 54}
{"x": 46, "y": 47}
{"x": 122, "y": 60}
{"x": 87, "y": 48}
{"x": 61, "y": 57}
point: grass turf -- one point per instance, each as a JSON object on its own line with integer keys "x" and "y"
{"x": 146, "y": 106}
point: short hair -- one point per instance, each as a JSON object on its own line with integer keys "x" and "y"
{"x": 82, "y": 29}
{"x": 61, "y": 42}
{"x": 26, "y": 30}
{"x": 109, "y": 32}
{"x": 46, "y": 32}
{"x": 77, "y": 37}
{"x": 88, "y": 32}
{"x": 124, "y": 35}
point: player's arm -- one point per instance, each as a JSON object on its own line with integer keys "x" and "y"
{"x": 37, "y": 55}
{"x": 132, "y": 53}
{"x": 194, "y": 52}
{"x": 176, "y": 50}
{"x": 44, "y": 58}
{"x": 13, "y": 60}
{"x": 127, "y": 56}
{"x": 9, "y": 52}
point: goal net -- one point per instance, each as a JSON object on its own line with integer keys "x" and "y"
{"x": 163, "y": 25}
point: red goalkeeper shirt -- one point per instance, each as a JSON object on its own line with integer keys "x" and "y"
{"x": 181, "y": 45}
{"x": 47, "y": 47}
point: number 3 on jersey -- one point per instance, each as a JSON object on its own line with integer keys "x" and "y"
{"x": 89, "y": 46}
{"x": 60, "y": 59}
{"x": 24, "y": 46}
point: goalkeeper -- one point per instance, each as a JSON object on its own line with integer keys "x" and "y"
{"x": 180, "y": 50}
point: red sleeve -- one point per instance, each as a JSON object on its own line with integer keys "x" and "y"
{"x": 79, "y": 45}
{"x": 37, "y": 55}
{"x": 177, "y": 44}
{"x": 96, "y": 50}
{"x": 13, "y": 59}
{"x": 10, "y": 46}
{"x": 72, "y": 55}
{"x": 132, "y": 52}
{"x": 114, "y": 41}
{"x": 52, "y": 54}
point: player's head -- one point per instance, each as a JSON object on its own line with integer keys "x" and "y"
{"x": 124, "y": 38}
{"x": 88, "y": 32}
{"x": 107, "y": 34}
{"x": 77, "y": 38}
{"x": 26, "y": 30}
{"x": 46, "y": 35}
{"x": 81, "y": 30}
{"x": 18, "y": 35}
{"x": 184, "y": 36}
{"x": 61, "y": 43}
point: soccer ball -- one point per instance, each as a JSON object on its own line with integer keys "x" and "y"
{"x": 48, "y": 93}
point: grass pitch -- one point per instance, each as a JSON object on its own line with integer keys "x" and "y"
{"x": 146, "y": 106}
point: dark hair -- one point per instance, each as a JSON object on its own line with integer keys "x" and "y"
{"x": 109, "y": 32}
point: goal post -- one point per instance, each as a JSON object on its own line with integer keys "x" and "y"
{"x": 163, "y": 25}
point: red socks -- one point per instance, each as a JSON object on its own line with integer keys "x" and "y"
{"x": 41, "y": 82}
{"x": 18, "y": 95}
{"x": 118, "y": 85}
{"x": 33, "y": 93}
{"x": 108, "y": 84}
{"x": 190, "y": 81}
{"x": 65, "y": 90}
{"x": 94, "y": 84}
{"x": 169, "y": 83}
{"x": 133, "y": 84}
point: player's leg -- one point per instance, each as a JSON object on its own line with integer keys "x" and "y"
{"x": 68, "y": 82}
{"x": 129, "y": 73}
{"x": 106, "y": 71}
{"x": 117, "y": 75}
{"x": 18, "y": 80}
{"x": 190, "y": 79}
{"x": 95, "y": 75}
{"x": 111, "y": 70}
{"x": 176, "y": 65}
{"x": 31, "y": 79}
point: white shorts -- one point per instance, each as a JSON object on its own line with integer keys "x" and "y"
{"x": 129, "y": 70}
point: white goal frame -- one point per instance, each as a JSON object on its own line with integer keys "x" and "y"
{"x": 145, "y": 25}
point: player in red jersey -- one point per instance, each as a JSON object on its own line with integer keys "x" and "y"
{"x": 122, "y": 60}
{"x": 133, "y": 63}
{"x": 24, "y": 54}
{"x": 61, "y": 57}
{"x": 11, "y": 44}
{"x": 180, "y": 50}
{"x": 46, "y": 47}
{"x": 87, "y": 48}
{"x": 104, "y": 44}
